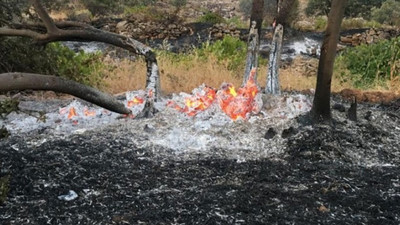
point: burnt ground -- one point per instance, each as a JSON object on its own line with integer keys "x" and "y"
{"x": 316, "y": 179}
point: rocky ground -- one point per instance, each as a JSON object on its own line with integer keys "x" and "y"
{"x": 176, "y": 170}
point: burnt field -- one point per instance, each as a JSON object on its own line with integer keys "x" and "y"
{"x": 171, "y": 170}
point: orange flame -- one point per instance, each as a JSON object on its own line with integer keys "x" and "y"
{"x": 72, "y": 113}
{"x": 87, "y": 112}
{"x": 237, "y": 104}
{"x": 135, "y": 101}
{"x": 195, "y": 104}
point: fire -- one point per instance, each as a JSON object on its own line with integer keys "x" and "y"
{"x": 88, "y": 112}
{"x": 235, "y": 103}
{"x": 135, "y": 101}
{"x": 196, "y": 103}
{"x": 72, "y": 113}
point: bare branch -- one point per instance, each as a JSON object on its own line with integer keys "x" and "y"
{"x": 29, "y": 81}
{"x": 23, "y": 33}
{"x": 47, "y": 20}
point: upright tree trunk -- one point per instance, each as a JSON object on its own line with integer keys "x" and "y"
{"x": 321, "y": 109}
{"x": 272, "y": 86}
{"x": 257, "y": 14}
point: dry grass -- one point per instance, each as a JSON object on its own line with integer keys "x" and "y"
{"x": 185, "y": 76}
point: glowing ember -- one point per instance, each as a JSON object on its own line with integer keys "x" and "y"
{"x": 88, "y": 112}
{"x": 72, "y": 113}
{"x": 196, "y": 103}
{"x": 135, "y": 101}
{"x": 237, "y": 104}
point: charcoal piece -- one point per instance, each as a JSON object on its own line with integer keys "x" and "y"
{"x": 339, "y": 107}
{"x": 288, "y": 132}
{"x": 270, "y": 133}
{"x": 352, "y": 113}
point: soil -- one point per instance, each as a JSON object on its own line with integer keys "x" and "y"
{"x": 342, "y": 173}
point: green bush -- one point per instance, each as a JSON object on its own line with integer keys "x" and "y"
{"x": 20, "y": 55}
{"x": 211, "y": 17}
{"x": 388, "y": 13}
{"x": 354, "y": 8}
{"x": 368, "y": 65}
{"x": 7, "y": 106}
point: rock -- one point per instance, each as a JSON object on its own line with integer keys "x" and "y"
{"x": 121, "y": 26}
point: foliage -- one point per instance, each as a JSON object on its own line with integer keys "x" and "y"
{"x": 238, "y": 22}
{"x": 211, "y": 17}
{"x": 7, "y": 106}
{"x": 178, "y": 3}
{"x": 230, "y": 51}
{"x": 4, "y": 188}
{"x": 368, "y": 65}
{"x": 354, "y": 8}
{"x": 101, "y": 7}
{"x": 22, "y": 56}
{"x": 320, "y": 23}
{"x": 388, "y": 13}
{"x": 355, "y": 23}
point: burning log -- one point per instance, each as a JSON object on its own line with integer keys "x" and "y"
{"x": 75, "y": 31}
{"x": 273, "y": 86}
{"x": 252, "y": 53}
{"x": 24, "y": 81}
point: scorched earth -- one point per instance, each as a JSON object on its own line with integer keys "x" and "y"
{"x": 274, "y": 168}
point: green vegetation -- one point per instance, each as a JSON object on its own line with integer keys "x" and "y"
{"x": 54, "y": 59}
{"x": 354, "y": 8}
{"x": 230, "y": 51}
{"x": 370, "y": 65}
{"x": 4, "y": 188}
{"x": 388, "y": 13}
{"x": 7, "y": 106}
{"x": 211, "y": 17}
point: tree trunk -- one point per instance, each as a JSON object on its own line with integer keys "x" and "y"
{"x": 257, "y": 15}
{"x": 253, "y": 47}
{"x": 321, "y": 110}
{"x": 29, "y": 81}
{"x": 272, "y": 86}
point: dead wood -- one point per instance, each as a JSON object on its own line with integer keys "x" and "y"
{"x": 50, "y": 31}
{"x": 253, "y": 44}
{"x": 273, "y": 86}
{"x": 29, "y": 81}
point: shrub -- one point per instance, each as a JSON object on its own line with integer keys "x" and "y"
{"x": 22, "y": 56}
{"x": 178, "y": 3}
{"x": 388, "y": 13}
{"x": 211, "y": 17}
{"x": 320, "y": 23}
{"x": 354, "y": 8}
{"x": 7, "y": 106}
{"x": 373, "y": 64}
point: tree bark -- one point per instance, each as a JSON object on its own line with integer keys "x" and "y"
{"x": 253, "y": 46}
{"x": 273, "y": 85}
{"x": 321, "y": 110}
{"x": 257, "y": 15}
{"x": 29, "y": 81}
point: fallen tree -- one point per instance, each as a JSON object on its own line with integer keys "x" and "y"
{"x": 23, "y": 81}
{"x": 49, "y": 31}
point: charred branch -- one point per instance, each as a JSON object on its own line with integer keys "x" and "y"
{"x": 252, "y": 52}
{"x": 273, "y": 86}
{"x": 29, "y": 81}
